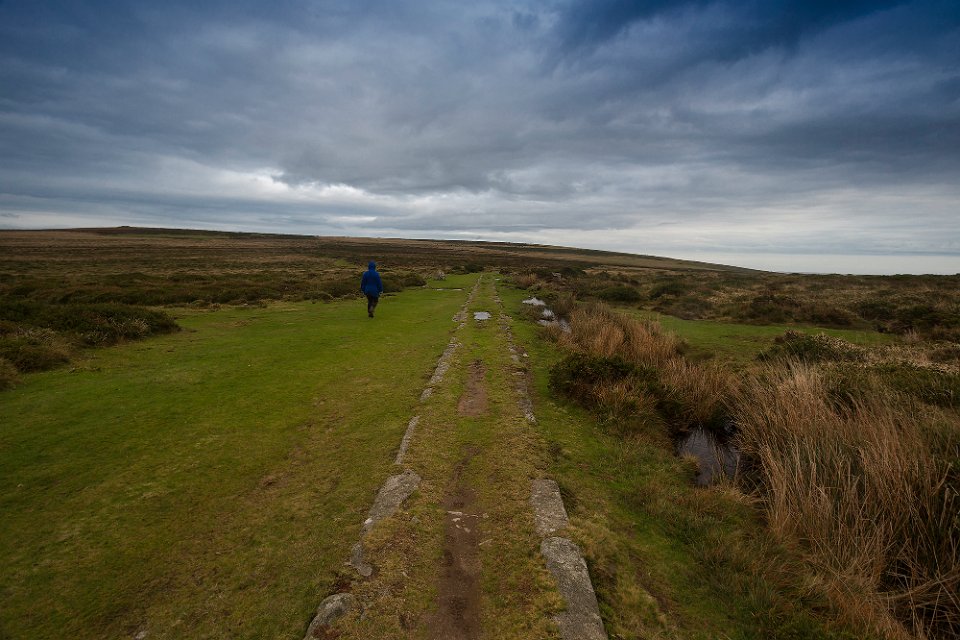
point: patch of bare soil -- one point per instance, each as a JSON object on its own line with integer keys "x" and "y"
{"x": 458, "y": 604}
{"x": 474, "y": 402}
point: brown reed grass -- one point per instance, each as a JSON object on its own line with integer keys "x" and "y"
{"x": 865, "y": 487}
{"x": 862, "y": 481}
{"x": 525, "y": 280}
{"x": 696, "y": 394}
{"x": 600, "y": 331}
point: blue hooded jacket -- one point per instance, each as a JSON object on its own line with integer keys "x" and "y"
{"x": 370, "y": 284}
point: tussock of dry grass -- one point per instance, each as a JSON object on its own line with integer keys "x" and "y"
{"x": 691, "y": 393}
{"x": 702, "y": 391}
{"x": 600, "y": 331}
{"x": 866, "y": 488}
{"x": 525, "y": 280}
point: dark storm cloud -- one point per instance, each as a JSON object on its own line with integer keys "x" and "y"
{"x": 755, "y": 24}
{"x": 773, "y": 126}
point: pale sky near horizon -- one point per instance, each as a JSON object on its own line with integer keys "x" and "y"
{"x": 785, "y": 135}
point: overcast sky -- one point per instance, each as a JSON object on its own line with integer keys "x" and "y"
{"x": 799, "y": 136}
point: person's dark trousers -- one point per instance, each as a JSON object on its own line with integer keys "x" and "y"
{"x": 372, "y": 304}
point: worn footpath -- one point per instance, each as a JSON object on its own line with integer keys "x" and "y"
{"x": 467, "y": 538}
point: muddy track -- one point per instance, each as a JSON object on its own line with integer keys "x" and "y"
{"x": 473, "y": 402}
{"x": 458, "y": 604}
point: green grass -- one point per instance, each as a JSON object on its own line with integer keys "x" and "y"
{"x": 668, "y": 559}
{"x": 741, "y": 343}
{"x": 207, "y": 483}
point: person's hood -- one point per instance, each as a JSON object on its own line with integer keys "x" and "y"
{"x": 372, "y": 266}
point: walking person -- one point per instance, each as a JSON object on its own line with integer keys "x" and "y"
{"x": 371, "y": 286}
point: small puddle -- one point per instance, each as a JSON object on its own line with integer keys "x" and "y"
{"x": 717, "y": 457}
{"x": 481, "y": 315}
{"x": 547, "y": 317}
{"x": 562, "y": 323}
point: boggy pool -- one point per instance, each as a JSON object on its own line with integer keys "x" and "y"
{"x": 717, "y": 455}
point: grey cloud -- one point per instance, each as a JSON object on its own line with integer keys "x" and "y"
{"x": 763, "y": 23}
{"x": 489, "y": 117}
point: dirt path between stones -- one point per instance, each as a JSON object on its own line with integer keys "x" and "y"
{"x": 473, "y": 402}
{"x": 458, "y": 603}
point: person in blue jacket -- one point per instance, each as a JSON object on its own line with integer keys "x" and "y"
{"x": 371, "y": 286}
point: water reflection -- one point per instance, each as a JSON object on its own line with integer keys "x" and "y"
{"x": 717, "y": 457}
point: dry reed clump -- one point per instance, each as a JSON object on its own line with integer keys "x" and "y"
{"x": 688, "y": 394}
{"x": 600, "y": 331}
{"x": 866, "y": 487}
{"x": 525, "y": 280}
{"x": 701, "y": 392}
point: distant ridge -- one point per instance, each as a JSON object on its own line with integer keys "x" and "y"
{"x": 511, "y": 252}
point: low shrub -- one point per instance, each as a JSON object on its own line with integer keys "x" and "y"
{"x": 8, "y": 374}
{"x": 319, "y": 294}
{"x": 34, "y": 350}
{"x": 469, "y": 267}
{"x": 926, "y": 317}
{"x": 341, "y": 287}
{"x": 619, "y": 293}
{"x": 673, "y": 288}
{"x": 396, "y": 282}
{"x": 112, "y": 322}
{"x": 876, "y": 310}
{"x": 412, "y": 280}
{"x": 37, "y": 336}
{"x": 796, "y": 345}
{"x": 687, "y": 307}
{"x": 562, "y": 304}
{"x": 771, "y": 308}
{"x": 948, "y": 334}
{"x": 931, "y": 386}
{"x": 626, "y": 397}
{"x": 826, "y": 315}
{"x": 579, "y": 375}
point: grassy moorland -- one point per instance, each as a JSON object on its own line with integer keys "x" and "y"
{"x": 668, "y": 559}
{"x": 206, "y": 483}
{"x": 64, "y": 291}
{"x": 921, "y": 305}
{"x": 193, "y": 423}
{"x": 850, "y": 445}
